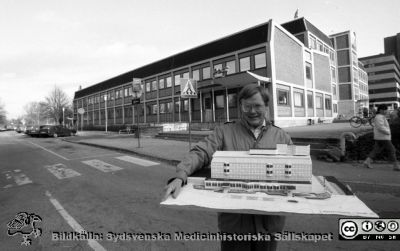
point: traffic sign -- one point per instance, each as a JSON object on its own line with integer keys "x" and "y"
{"x": 81, "y": 111}
{"x": 188, "y": 88}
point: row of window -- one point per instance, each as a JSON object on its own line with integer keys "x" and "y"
{"x": 199, "y": 73}
{"x": 317, "y": 44}
{"x": 283, "y": 95}
{"x": 245, "y": 185}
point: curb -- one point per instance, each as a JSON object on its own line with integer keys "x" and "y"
{"x": 155, "y": 158}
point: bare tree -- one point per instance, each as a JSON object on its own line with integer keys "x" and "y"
{"x": 32, "y": 113}
{"x": 55, "y": 102}
{"x": 3, "y": 113}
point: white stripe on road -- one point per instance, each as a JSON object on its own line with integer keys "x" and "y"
{"x": 48, "y": 150}
{"x": 101, "y": 165}
{"x": 61, "y": 171}
{"x": 137, "y": 161}
{"x": 73, "y": 223}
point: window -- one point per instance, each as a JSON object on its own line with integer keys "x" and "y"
{"x": 343, "y": 57}
{"x": 176, "y": 80}
{"x": 283, "y": 97}
{"x": 244, "y": 64}
{"x": 126, "y": 92}
{"x": 318, "y": 101}
{"x": 307, "y": 55}
{"x": 177, "y": 106}
{"x": 169, "y": 82}
{"x": 231, "y": 65}
{"x": 232, "y": 100}
{"x": 148, "y": 87}
{"x": 162, "y": 108}
{"x": 186, "y": 105}
{"x": 334, "y": 90}
{"x": 206, "y": 72}
{"x": 345, "y": 92}
{"x": 260, "y": 60}
{"x": 355, "y": 75}
{"x": 320, "y": 46}
{"x": 310, "y": 103}
{"x": 342, "y": 42}
{"x": 161, "y": 83}
{"x": 219, "y": 101}
{"x": 333, "y": 74}
{"x": 154, "y": 109}
{"x": 309, "y": 81}
{"x": 196, "y": 74}
{"x": 313, "y": 42}
{"x": 344, "y": 74}
{"x": 328, "y": 102}
{"x": 332, "y": 56}
{"x": 185, "y": 75}
{"x": 217, "y": 67}
{"x": 169, "y": 106}
{"x": 335, "y": 108}
{"x": 298, "y": 99}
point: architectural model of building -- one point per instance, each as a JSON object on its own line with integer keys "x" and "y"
{"x": 286, "y": 168}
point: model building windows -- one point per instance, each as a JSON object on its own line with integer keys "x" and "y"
{"x": 244, "y": 64}
{"x": 288, "y": 169}
{"x": 226, "y": 168}
{"x": 154, "y": 85}
{"x": 176, "y": 80}
{"x": 269, "y": 170}
{"x": 161, "y": 84}
{"x": 148, "y": 87}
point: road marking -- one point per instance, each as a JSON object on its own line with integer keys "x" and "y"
{"x": 101, "y": 165}
{"x": 48, "y": 150}
{"x": 19, "y": 178}
{"x": 137, "y": 161}
{"x": 73, "y": 223}
{"x": 96, "y": 156}
{"x": 61, "y": 171}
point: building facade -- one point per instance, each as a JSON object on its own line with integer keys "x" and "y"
{"x": 383, "y": 80}
{"x": 351, "y": 76}
{"x": 293, "y": 61}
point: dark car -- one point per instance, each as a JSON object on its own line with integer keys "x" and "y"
{"x": 32, "y": 131}
{"x": 55, "y": 131}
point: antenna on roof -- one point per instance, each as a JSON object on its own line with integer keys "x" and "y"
{"x": 296, "y": 14}
{"x": 80, "y": 87}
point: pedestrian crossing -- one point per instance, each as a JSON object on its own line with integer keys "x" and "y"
{"x": 62, "y": 171}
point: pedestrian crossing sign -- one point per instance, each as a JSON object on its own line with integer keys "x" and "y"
{"x": 188, "y": 88}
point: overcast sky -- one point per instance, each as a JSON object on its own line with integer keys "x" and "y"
{"x": 82, "y": 42}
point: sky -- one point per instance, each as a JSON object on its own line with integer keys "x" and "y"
{"x": 47, "y": 43}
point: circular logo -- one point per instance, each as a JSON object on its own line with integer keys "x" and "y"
{"x": 367, "y": 226}
{"x": 348, "y": 229}
{"x": 380, "y": 225}
{"x": 392, "y": 226}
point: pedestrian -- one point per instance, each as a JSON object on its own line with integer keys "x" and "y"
{"x": 382, "y": 138}
{"x": 253, "y": 130}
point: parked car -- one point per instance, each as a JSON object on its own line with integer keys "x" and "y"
{"x": 19, "y": 129}
{"x": 32, "y": 131}
{"x": 55, "y": 131}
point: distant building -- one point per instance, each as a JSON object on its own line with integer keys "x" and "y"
{"x": 351, "y": 75}
{"x": 293, "y": 61}
{"x": 383, "y": 80}
{"x": 392, "y": 46}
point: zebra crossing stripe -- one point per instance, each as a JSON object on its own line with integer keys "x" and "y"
{"x": 101, "y": 165}
{"x": 61, "y": 171}
{"x": 137, "y": 161}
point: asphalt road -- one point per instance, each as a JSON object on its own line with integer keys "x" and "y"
{"x": 74, "y": 188}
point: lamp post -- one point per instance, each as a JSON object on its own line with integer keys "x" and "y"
{"x": 63, "y": 115}
{"x": 136, "y": 94}
{"x": 105, "y": 100}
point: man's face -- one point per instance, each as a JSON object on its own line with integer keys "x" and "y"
{"x": 253, "y": 110}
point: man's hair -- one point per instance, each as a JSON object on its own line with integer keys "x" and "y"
{"x": 382, "y": 107}
{"x": 252, "y": 89}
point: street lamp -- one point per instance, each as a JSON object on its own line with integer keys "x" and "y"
{"x": 63, "y": 115}
{"x": 136, "y": 94}
{"x": 105, "y": 99}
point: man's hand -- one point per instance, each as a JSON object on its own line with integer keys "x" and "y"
{"x": 173, "y": 188}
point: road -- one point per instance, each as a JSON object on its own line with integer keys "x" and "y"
{"x": 81, "y": 188}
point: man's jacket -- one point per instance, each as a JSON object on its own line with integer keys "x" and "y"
{"x": 229, "y": 137}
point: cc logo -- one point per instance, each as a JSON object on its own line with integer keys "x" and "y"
{"x": 380, "y": 226}
{"x": 348, "y": 229}
{"x": 367, "y": 226}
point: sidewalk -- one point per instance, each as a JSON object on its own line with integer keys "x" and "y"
{"x": 172, "y": 152}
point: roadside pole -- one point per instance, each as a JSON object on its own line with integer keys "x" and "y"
{"x": 189, "y": 91}
{"x": 136, "y": 94}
